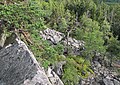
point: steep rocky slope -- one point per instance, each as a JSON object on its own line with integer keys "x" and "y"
{"x": 102, "y": 75}
{"x": 18, "y": 65}
{"x": 100, "y": 66}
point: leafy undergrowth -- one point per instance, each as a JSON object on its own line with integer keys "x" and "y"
{"x": 75, "y": 69}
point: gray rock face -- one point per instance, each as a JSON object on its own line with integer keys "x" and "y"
{"x": 18, "y": 66}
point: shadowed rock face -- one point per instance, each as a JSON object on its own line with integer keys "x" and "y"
{"x": 18, "y": 66}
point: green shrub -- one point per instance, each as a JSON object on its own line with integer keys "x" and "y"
{"x": 76, "y": 68}
{"x": 23, "y": 16}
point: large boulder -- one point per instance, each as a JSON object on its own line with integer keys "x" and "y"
{"x": 18, "y": 66}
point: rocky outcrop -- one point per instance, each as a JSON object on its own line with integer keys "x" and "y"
{"x": 75, "y": 46}
{"x": 53, "y": 77}
{"x": 52, "y": 35}
{"x": 18, "y": 66}
{"x": 102, "y": 75}
{"x": 55, "y": 37}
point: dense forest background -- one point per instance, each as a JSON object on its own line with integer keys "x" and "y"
{"x": 111, "y": 0}
{"x": 97, "y": 22}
